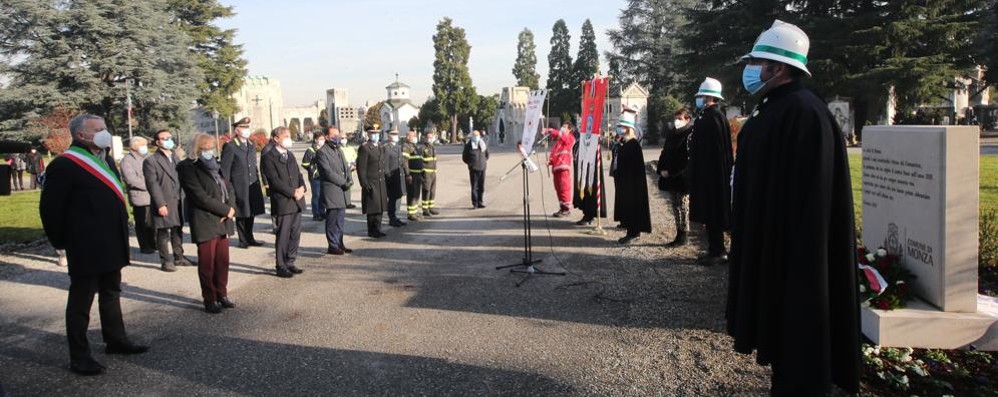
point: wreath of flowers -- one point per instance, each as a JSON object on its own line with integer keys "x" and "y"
{"x": 883, "y": 281}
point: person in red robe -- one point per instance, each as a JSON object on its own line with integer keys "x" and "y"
{"x": 560, "y": 162}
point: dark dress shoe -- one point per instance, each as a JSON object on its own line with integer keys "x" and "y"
{"x": 678, "y": 242}
{"x": 147, "y": 251}
{"x": 183, "y": 262}
{"x": 584, "y": 222}
{"x": 626, "y": 240}
{"x": 226, "y": 303}
{"x": 376, "y": 235}
{"x": 351, "y": 206}
{"x": 255, "y": 243}
{"x": 346, "y": 250}
{"x": 295, "y": 270}
{"x": 396, "y": 223}
{"x": 168, "y": 267}
{"x": 243, "y": 245}
{"x": 480, "y": 205}
{"x": 712, "y": 259}
{"x": 126, "y": 349}
{"x": 285, "y": 274}
{"x": 212, "y": 307}
{"x": 335, "y": 251}
{"x": 86, "y": 367}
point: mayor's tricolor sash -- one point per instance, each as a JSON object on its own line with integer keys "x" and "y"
{"x": 97, "y": 168}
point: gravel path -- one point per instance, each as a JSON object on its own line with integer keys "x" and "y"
{"x": 422, "y": 312}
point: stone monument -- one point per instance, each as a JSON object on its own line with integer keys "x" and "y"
{"x": 920, "y": 201}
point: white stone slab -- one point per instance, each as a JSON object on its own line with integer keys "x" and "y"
{"x": 920, "y": 200}
{"x": 922, "y": 325}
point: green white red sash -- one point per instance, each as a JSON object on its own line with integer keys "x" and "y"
{"x": 96, "y": 167}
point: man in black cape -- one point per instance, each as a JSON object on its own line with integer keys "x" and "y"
{"x": 710, "y": 164}
{"x": 793, "y": 295}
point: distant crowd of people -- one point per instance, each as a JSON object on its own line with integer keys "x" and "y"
{"x": 32, "y": 163}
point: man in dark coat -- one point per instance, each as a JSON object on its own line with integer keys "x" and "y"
{"x": 35, "y": 166}
{"x": 163, "y": 185}
{"x": 394, "y": 179}
{"x": 710, "y": 164}
{"x": 371, "y": 175}
{"x": 672, "y": 164}
{"x": 138, "y": 195}
{"x": 240, "y": 169}
{"x": 476, "y": 156}
{"x": 793, "y": 295}
{"x": 83, "y": 211}
{"x": 334, "y": 172}
{"x": 287, "y": 199}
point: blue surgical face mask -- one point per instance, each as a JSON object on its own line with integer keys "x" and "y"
{"x": 752, "y": 78}
{"x": 620, "y": 131}
{"x": 335, "y": 140}
{"x": 168, "y": 144}
{"x": 475, "y": 139}
{"x": 143, "y": 150}
{"x": 700, "y": 102}
{"x": 208, "y": 154}
{"x": 375, "y": 137}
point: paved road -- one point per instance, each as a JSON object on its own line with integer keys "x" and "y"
{"x": 421, "y": 312}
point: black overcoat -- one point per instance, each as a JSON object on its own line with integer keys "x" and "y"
{"x": 711, "y": 158}
{"x": 85, "y": 217}
{"x": 631, "y": 195}
{"x": 334, "y": 172}
{"x": 394, "y": 172}
{"x": 283, "y": 178}
{"x": 163, "y": 185}
{"x": 674, "y": 158}
{"x": 240, "y": 168}
{"x": 371, "y": 175}
{"x": 206, "y": 202}
{"x": 792, "y": 294}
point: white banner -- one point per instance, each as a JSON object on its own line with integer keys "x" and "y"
{"x": 531, "y": 116}
{"x": 585, "y": 164}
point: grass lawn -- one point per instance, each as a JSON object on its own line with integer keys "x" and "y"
{"x": 19, "y": 221}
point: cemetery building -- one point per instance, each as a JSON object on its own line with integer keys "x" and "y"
{"x": 508, "y": 121}
{"x": 633, "y": 96}
{"x": 339, "y": 112}
{"x": 261, "y": 100}
{"x": 396, "y": 111}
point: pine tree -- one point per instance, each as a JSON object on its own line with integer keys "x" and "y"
{"x": 452, "y": 84}
{"x": 213, "y": 48}
{"x": 79, "y": 54}
{"x": 562, "y": 90}
{"x": 587, "y": 62}
{"x": 525, "y": 68}
{"x": 646, "y": 46}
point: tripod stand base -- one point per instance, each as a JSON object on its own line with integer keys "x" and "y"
{"x": 526, "y": 263}
{"x": 597, "y": 231}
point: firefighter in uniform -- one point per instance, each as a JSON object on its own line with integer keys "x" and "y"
{"x": 429, "y": 155}
{"x": 312, "y": 170}
{"x": 412, "y": 168}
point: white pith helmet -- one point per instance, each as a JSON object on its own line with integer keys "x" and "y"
{"x": 710, "y": 87}
{"x": 782, "y": 42}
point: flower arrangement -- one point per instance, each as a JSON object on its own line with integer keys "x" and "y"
{"x": 883, "y": 282}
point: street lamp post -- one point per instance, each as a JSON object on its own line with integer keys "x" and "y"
{"x": 214, "y": 115}
{"x": 128, "y": 95}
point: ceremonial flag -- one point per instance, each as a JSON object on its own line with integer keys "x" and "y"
{"x": 593, "y": 101}
{"x": 531, "y": 116}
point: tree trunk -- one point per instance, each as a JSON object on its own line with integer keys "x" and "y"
{"x": 453, "y": 128}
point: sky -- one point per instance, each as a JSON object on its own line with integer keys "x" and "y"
{"x": 313, "y": 45}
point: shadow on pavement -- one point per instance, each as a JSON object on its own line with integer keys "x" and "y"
{"x": 217, "y": 364}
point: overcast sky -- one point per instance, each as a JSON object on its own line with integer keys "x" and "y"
{"x": 313, "y": 45}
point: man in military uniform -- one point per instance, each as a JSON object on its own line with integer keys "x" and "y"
{"x": 412, "y": 168}
{"x": 371, "y": 175}
{"x": 393, "y": 176}
{"x": 312, "y": 170}
{"x": 239, "y": 167}
{"x": 429, "y": 155}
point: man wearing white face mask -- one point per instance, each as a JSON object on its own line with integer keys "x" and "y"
{"x": 672, "y": 166}
{"x": 83, "y": 211}
{"x": 371, "y": 175}
{"x": 287, "y": 199}
{"x": 138, "y": 196}
{"x": 163, "y": 184}
{"x": 711, "y": 158}
{"x": 792, "y": 281}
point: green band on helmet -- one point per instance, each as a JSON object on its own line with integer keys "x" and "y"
{"x": 781, "y": 52}
{"x": 703, "y": 91}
